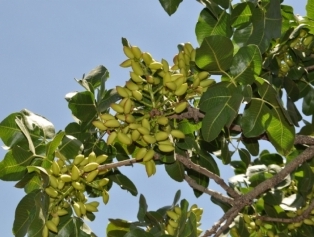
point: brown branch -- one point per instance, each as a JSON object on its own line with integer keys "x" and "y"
{"x": 248, "y": 198}
{"x": 117, "y": 164}
{"x": 190, "y": 165}
{"x": 192, "y": 113}
{"x": 210, "y": 192}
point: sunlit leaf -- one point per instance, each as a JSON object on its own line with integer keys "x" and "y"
{"x": 215, "y": 54}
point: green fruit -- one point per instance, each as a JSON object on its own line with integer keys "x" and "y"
{"x": 177, "y": 210}
{"x": 136, "y": 52}
{"x": 128, "y": 52}
{"x": 51, "y": 226}
{"x": 173, "y": 223}
{"x": 75, "y": 173}
{"x": 60, "y": 184}
{"x": 147, "y": 57}
{"x": 162, "y": 120}
{"x": 91, "y": 175}
{"x": 106, "y": 117}
{"x": 82, "y": 208}
{"x": 112, "y": 123}
{"x": 181, "y": 90}
{"x": 150, "y": 167}
{"x": 307, "y": 40}
{"x": 135, "y": 135}
{"x": 90, "y": 167}
{"x": 131, "y": 85}
{"x": 55, "y": 168}
{"x": 143, "y": 130}
{"x": 129, "y": 118}
{"x": 78, "y": 186}
{"x": 117, "y": 108}
{"x": 127, "y": 106}
{"x": 78, "y": 159}
{"x": 105, "y": 196}
{"x": 149, "y": 155}
{"x": 124, "y": 139}
{"x": 61, "y": 212}
{"x": 203, "y": 75}
{"x": 192, "y": 56}
{"x": 134, "y": 125}
{"x": 165, "y": 65}
{"x": 149, "y": 139}
{"x": 112, "y": 136}
{"x": 177, "y": 134}
{"x": 45, "y": 231}
{"x": 141, "y": 153}
{"x": 174, "y": 216}
{"x": 90, "y": 208}
{"x": 155, "y": 65}
{"x": 170, "y": 229}
{"x": 136, "y": 78}
{"x": 53, "y": 181}
{"x": 171, "y": 85}
{"x": 99, "y": 125}
{"x": 91, "y": 157}
{"x": 126, "y": 63}
{"x": 206, "y": 82}
{"x": 77, "y": 209}
{"x": 101, "y": 158}
{"x": 122, "y": 91}
{"x": 103, "y": 182}
{"x": 137, "y": 69}
{"x": 161, "y": 136}
{"x": 51, "y": 192}
{"x": 94, "y": 203}
{"x": 145, "y": 123}
{"x": 179, "y": 108}
{"x": 137, "y": 95}
{"x": 55, "y": 220}
{"x": 165, "y": 148}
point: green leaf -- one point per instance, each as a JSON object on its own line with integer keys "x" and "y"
{"x": 223, "y": 3}
{"x": 116, "y": 233}
{"x": 53, "y": 145}
{"x": 273, "y": 197}
{"x": 224, "y": 206}
{"x": 77, "y": 130}
{"x": 225, "y": 153}
{"x": 124, "y": 183}
{"x": 24, "y": 214}
{"x": 305, "y": 178}
{"x": 241, "y": 15}
{"x": 138, "y": 233}
{"x": 121, "y": 153}
{"x": 220, "y": 103}
{"x": 170, "y": 6}
{"x": 110, "y": 96}
{"x": 310, "y": 9}
{"x": 246, "y": 64}
{"x": 175, "y": 171}
{"x": 215, "y": 54}
{"x": 189, "y": 229}
{"x": 82, "y": 105}
{"x": 188, "y": 127}
{"x": 10, "y": 133}
{"x": 142, "y": 208}
{"x": 308, "y": 103}
{"x": 208, "y": 25}
{"x": 242, "y": 229}
{"x": 69, "y": 147}
{"x": 21, "y": 125}
{"x": 96, "y": 75}
{"x": 74, "y": 227}
{"x": 258, "y": 178}
{"x": 271, "y": 158}
{"x": 245, "y": 156}
{"x": 252, "y": 145}
{"x": 13, "y": 166}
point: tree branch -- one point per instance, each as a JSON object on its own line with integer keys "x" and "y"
{"x": 117, "y": 164}
{"x": 210, "y": 192}
{"x": 190, "y": 165}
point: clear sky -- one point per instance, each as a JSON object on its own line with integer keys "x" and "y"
{"x": 44, "y": 45}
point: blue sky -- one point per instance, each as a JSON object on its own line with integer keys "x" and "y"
{"x": 44, "y": 45}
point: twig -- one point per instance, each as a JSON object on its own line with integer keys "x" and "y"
{"x": 210, "y": 192}
{"x": 189, "y": 164}
{"x": 117, "y": 164}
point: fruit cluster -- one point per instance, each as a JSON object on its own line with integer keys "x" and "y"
{"x": 300, "y": 46}
{"x": 152, "y": 94}
{"x": 67, "y": 184}
{"x": 174, "y": 218}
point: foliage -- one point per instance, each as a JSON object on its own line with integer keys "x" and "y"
{"x": 179, "y": 116}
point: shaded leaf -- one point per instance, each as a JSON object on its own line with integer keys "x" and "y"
{"x": 212, "y": 57}
{"x": 208, "y": 25}
{"x": 96, "y": 75}
{"x": 170, "y": 6}
{"x": 124, "y": 183}
{"x": 220, "y": 103}
{"x": 110, "y": 96}
{"x": 224, "y": 206}
{"x": 142, "y": 208}
{"x": 10, "y": 132}
{"x": 175, "y": 171}
{"x": 69, "y": 147}
{"x": 245, "y": 156}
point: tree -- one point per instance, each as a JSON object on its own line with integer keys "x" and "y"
{"x": 178, "y": 117}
